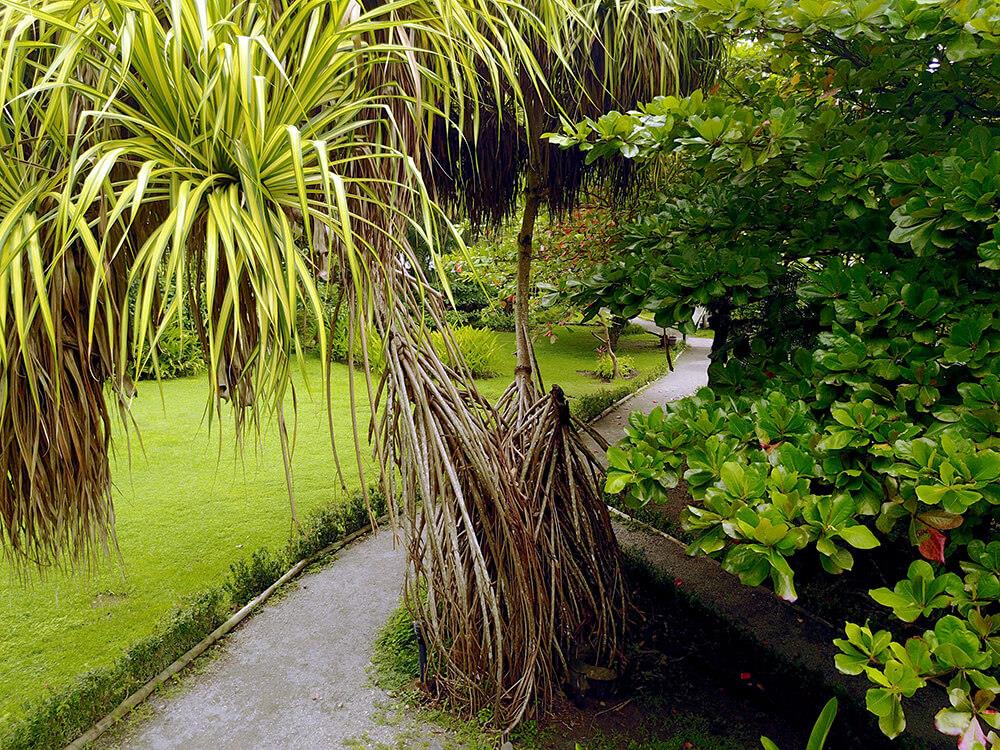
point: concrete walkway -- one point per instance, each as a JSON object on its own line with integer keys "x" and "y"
{"x": 690, "y": 373}
{"x": 294, "y": 675}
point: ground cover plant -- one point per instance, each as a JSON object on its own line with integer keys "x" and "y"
{"x": 180, "y": 530}
{"x": 835, "y": 209}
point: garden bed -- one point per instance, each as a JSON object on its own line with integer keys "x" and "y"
{"x": 834, "y": 599}
{"x": 695, "y": 684}
{"x": 796, "y": 641}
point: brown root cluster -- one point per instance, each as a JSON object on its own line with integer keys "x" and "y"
{"x": 514, "y": 568}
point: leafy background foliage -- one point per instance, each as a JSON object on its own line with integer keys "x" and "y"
{"x": 834, "y": 205}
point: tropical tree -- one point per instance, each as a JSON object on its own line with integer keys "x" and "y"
{"x": 589, "y": 55}
{"x": 164, "y": 157}
{"x": 212, "y": 159}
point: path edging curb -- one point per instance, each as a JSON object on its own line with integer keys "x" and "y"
{"x": 178, "y": 665}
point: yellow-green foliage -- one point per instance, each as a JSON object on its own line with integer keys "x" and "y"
{"x": 605, "y": 369}
{"x": 477, "y": 346}
{"x": 339, "y": 348}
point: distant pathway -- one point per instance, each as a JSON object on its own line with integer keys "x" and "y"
{"x": 294, "y": 676}
{"x": 690, "y": 373}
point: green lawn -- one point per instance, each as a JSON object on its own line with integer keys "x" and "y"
{"x": 188, "y": 507}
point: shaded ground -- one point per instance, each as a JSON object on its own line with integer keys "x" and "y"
{"x": 694, "y": 683}
{"x": 690, "y": 687}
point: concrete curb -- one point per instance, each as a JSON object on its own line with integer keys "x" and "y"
{"x": 787, "y": 632}
{"x": 211, "y": 639}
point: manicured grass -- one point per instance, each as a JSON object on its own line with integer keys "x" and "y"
{"x": 568, "y": 359}
{"x": 186, "y": 510}
{"x": 189, "y": 506}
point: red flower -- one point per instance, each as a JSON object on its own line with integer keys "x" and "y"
{"x": 678, "y": 582}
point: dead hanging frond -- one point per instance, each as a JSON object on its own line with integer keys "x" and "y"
{"x": 589, "y": 57}
{"x": 476, "y": 171}
{"x": 55, "y": 489}
{"x": 58, "y": 393}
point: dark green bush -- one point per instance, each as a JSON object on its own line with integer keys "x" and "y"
{"x": 326, "y": 526}
{"x": 459, "y": 318}
{"x": 837, "y": 211}
{"x": 589, "y": 406}
{"x": 249, "y": 577}
{"x": 468, "y": 293}
{"x": 496, "y": 320}
{"x": 177, "y": 353}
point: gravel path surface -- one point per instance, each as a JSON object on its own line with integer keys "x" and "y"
{"x": 295, "y": 674}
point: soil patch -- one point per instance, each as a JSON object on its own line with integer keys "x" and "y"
{"x": 694, "y": 685}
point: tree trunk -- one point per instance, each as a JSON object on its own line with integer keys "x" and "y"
{"x": 720, "y": 317}
{"x": 618, "y": 324}
{"x": 525, "y": 240}
{"x": 534, "y": 193}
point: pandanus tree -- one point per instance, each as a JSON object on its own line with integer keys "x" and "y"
{"x": 592, "y": 56}
{"x": 161, "y": 158}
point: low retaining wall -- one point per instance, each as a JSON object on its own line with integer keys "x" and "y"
{"x": 790, "y": 634}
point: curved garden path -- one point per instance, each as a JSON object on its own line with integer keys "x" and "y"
{"x": 295, "y": 674}
{"x": 689, "y": 374}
